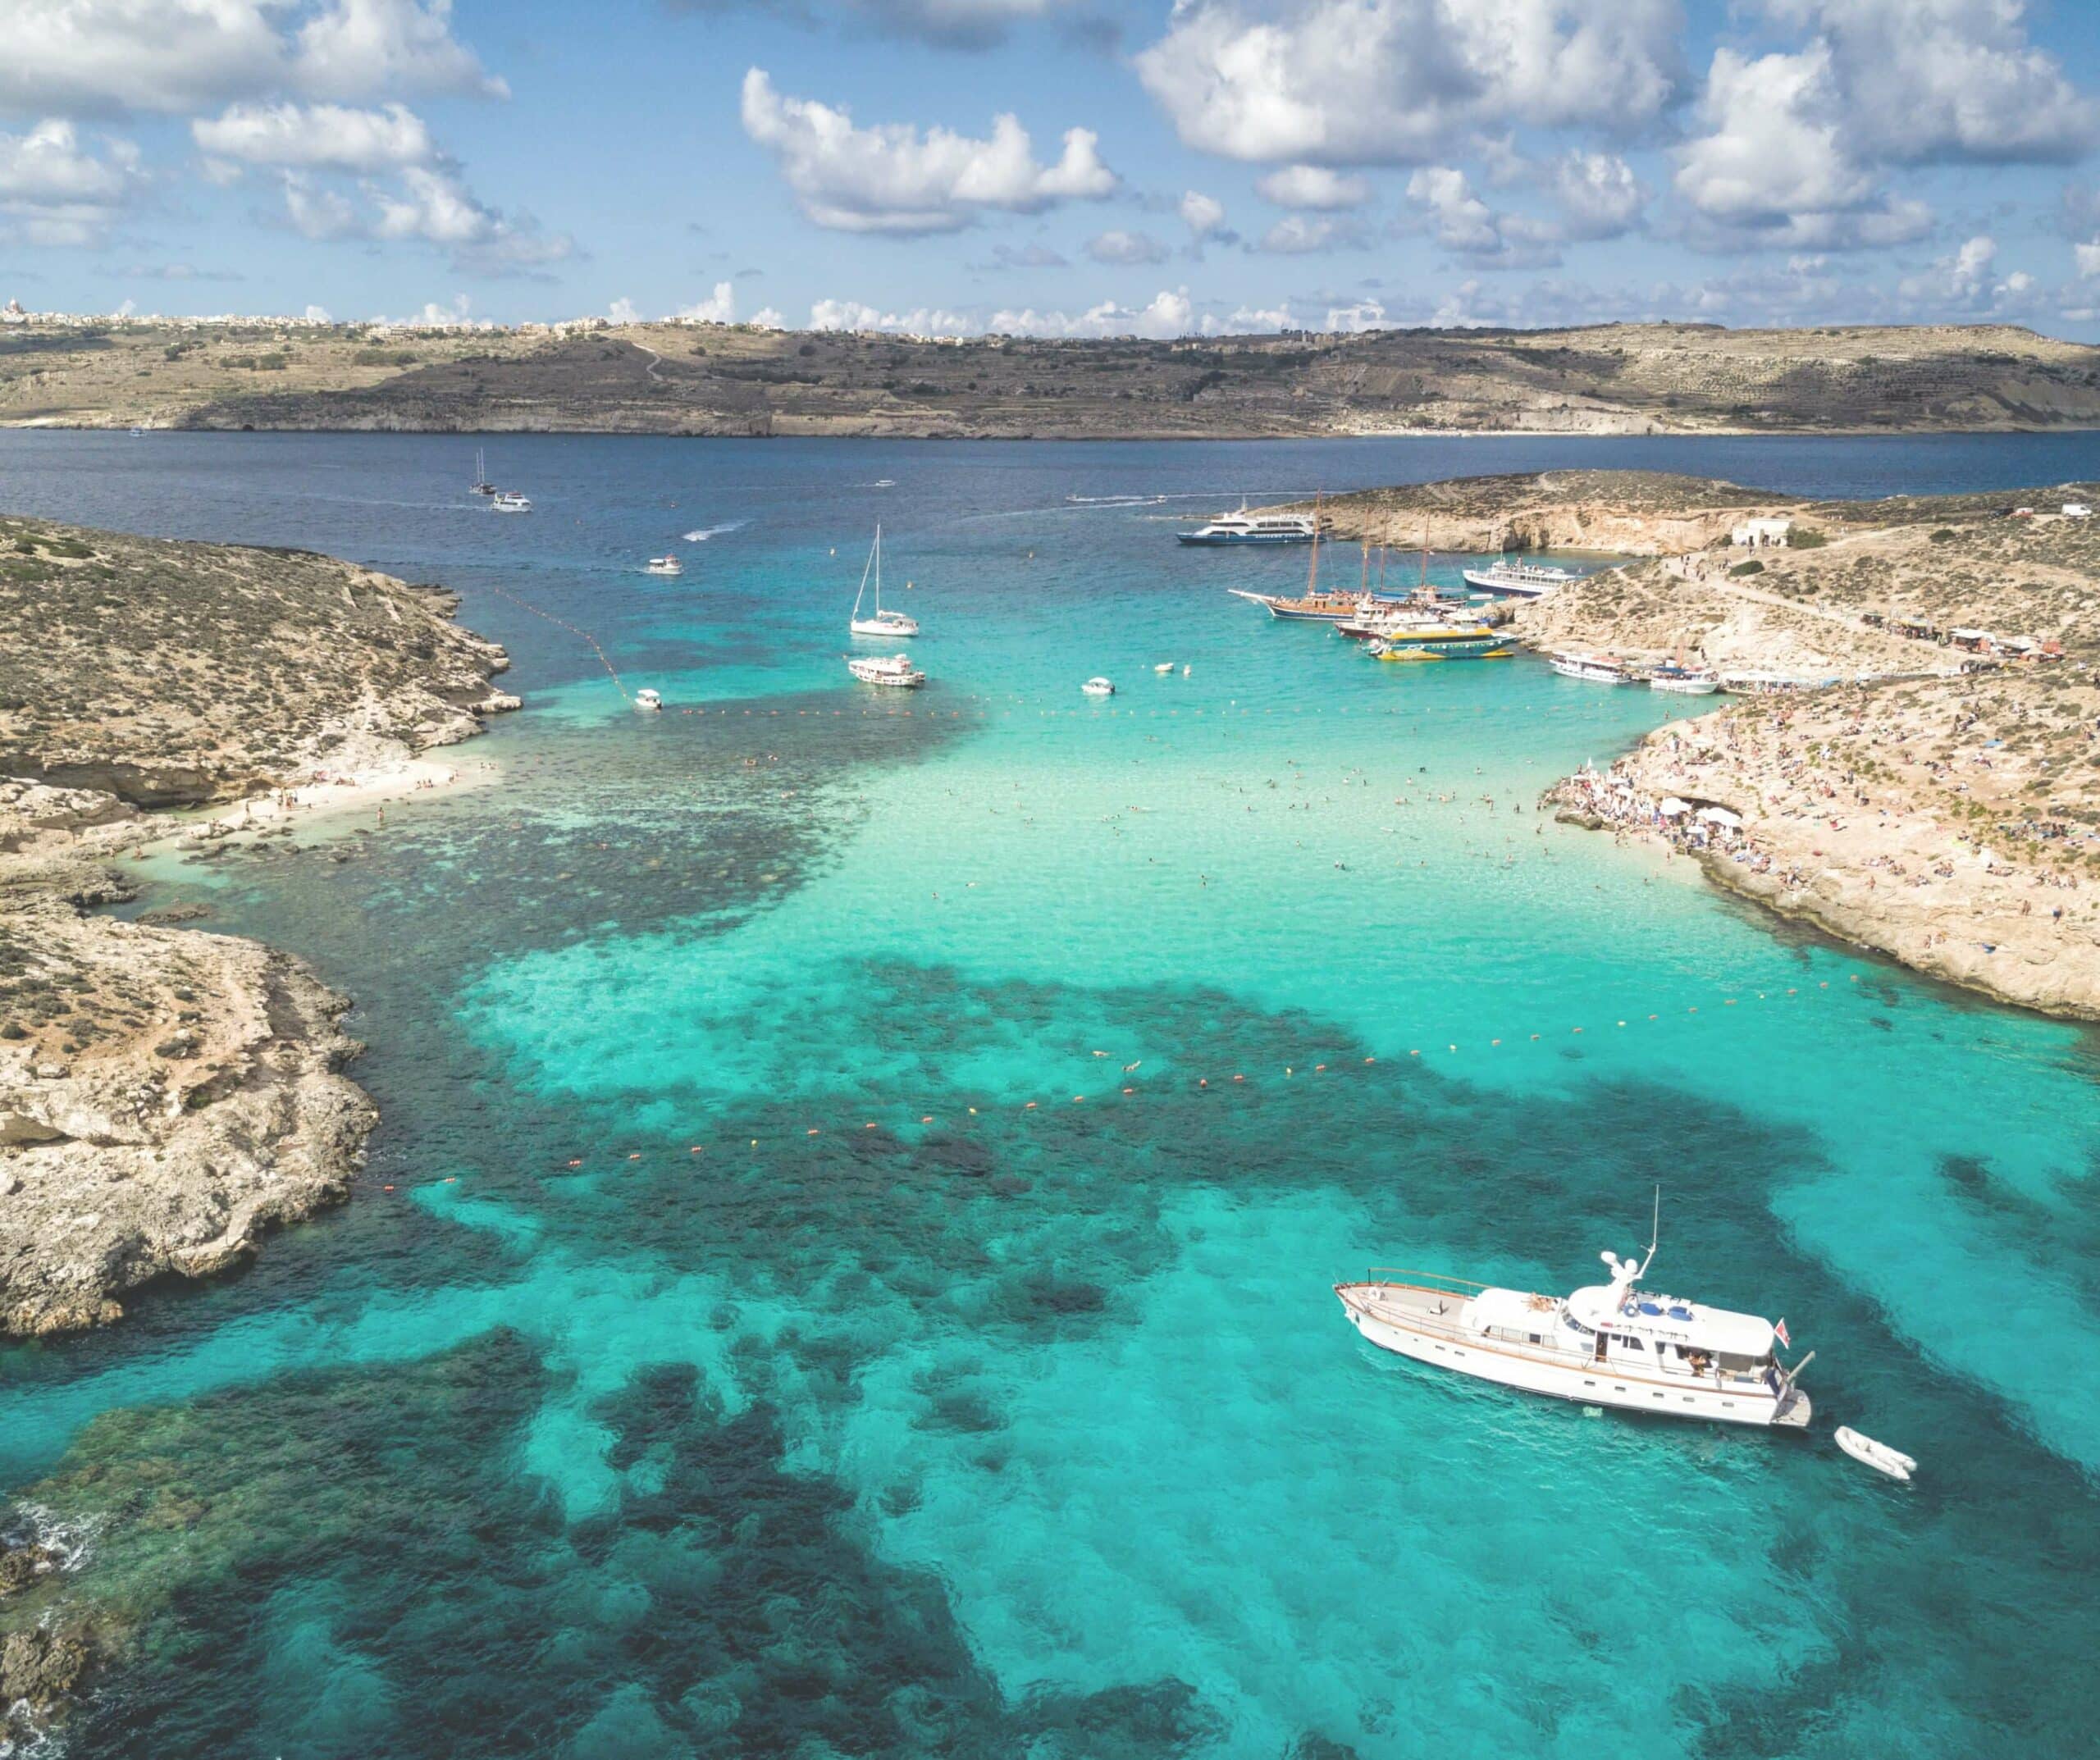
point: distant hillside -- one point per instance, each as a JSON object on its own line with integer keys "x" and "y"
{"x": 728, "y": 380}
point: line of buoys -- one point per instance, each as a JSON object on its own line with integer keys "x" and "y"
{"x": 1201, "y": 1083}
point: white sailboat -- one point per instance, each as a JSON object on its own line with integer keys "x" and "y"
{"x": 879, "y": 622}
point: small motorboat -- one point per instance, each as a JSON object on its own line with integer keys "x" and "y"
{"x": 895, "y": 670}
{"x": 664, "y": 565}
{"x": 1099, "y": 688}
{"x": 507, "y": 502}
{"x": 1164, "y": 667}
{"x": 1879, "y": 1456}
{"x": 647, "y": 699}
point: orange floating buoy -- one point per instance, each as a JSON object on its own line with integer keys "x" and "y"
{"x": 636, "y": 1156}
{"x": 452, "y": 1179}
{"x": 1129, "y": 1091}
{"x": 1240, "y": 1079}
{"x": 1029, "y": 1107}
{"x": 386, "y": 1189}
{"x": 867, "y": 1127}
{"x": 1077, "y": 1098}
{"x": 928, "y": 1117}
{"x": 1494, "y": 1042}
{"x": 1534, "y": 1036}
{"x": 1417, "y": 1054}
{"x": 1317, "y": 1067}
{"x": 578, "y": 1162}
{"x": 1574, "y": 1029}
{"x": 813, "y": 1131}
{"x": 696, "y": 1150}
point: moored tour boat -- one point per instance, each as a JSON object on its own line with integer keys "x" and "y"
{"x": 1099, "y": 688}
{"x": 1508, "y": 579}
{"x": 664, "y": 565}
{"x": 506, "y": 502}
{"x": 1593, "y": 668}
{"x": 1684, "y": 681}
{"x": 648, "y": 700}
{"x": 895, "y": 670}
{"x": 1609, "y": 1344}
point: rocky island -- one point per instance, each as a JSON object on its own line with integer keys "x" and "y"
{"x": 592, "y": 376}
{"x": 166, "y": 1095}
{"x": 1912, "y": 761}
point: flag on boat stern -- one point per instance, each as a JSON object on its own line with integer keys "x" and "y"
{"x": 1779, "y": 1332}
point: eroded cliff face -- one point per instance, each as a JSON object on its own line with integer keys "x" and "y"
{"x": 165, "y": 1095}
{"x": 168, "y": 1096}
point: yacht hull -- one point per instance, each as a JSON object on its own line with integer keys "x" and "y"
{"x": 1227, "y": 540}
{"x": 1403, "y": 1320}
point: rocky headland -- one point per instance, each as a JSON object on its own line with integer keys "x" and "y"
{"x": 1923, "y": 778}
{"x": 722, "y": 378}
{"x": 167, "y": 1095}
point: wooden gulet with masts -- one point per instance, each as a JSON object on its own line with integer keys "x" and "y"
{"x": 1317, "y": 606}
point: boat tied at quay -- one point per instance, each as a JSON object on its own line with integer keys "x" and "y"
{"x": 1509, "y": 579}
{"x": 1607, "y": 1344}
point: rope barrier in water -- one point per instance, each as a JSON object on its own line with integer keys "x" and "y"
{"x": 1203, "y": 1084}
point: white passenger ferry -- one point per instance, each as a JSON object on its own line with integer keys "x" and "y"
{"x": 1515, "y": 580}
{"x": 1610, "y": 1344}
{"x": 1244, "y": 527}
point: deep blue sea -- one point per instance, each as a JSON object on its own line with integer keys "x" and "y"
{"x": 868, "y": 1175}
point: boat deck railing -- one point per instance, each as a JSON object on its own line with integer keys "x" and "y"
{"x": 1428, "y": 1279}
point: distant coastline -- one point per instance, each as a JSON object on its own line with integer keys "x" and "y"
{"x": 701, "y": 379}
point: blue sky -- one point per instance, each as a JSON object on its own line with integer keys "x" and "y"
{"x": 1058, "y": 166}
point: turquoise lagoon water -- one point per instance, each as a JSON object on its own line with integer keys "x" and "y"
{"x": 786, "y": 1336}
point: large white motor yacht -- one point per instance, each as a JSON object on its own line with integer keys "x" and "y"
{"x": 1610, "y": 1344}
{"x": 1244, "y": 527}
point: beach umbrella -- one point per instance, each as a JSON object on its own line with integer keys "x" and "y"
{"x": 1672, "y": 807}
{"x": 1721, "y": 816}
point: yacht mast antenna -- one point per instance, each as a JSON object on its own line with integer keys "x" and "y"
{"x": 1655, "y": 1233}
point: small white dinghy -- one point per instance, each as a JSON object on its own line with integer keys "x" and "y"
{"x": 1164, "y": 667}
{"x": 1099, "y": 688}
{"x": 1879, "y": 1456}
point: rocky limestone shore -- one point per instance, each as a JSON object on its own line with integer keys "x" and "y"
{"x": 166, "y": 1095}
{"x": 1917, "y": 791}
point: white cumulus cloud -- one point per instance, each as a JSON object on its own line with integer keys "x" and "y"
{"x": 316, "y": 134}
{"x": 892, "y": 178}
{"x": 719, "y": 308}
{"x": 1359, "y": 82}
{"x": 1798, "y": 145}
{"x": 1118, "y": 246}
{"x": 1467, "y": 227}
{"x": 1313, "y": 186}
{"x": 96, "y": 56}
{"x": 56, "y": 190}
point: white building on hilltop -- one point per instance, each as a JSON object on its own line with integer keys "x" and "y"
{"x": 1760, "y": 534}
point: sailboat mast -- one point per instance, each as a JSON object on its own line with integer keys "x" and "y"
{"x": 878, "y": 568}
{"x": 1363, "y": 589}
{"x": 1313, "y": 568}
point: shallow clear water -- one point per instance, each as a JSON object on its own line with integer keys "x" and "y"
{"x": 785, "y": 1334}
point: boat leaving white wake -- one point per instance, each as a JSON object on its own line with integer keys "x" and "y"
{"x": 706, "y": 533}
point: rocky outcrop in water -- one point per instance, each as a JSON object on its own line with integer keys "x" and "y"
{"x": 167, "y": 1095}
